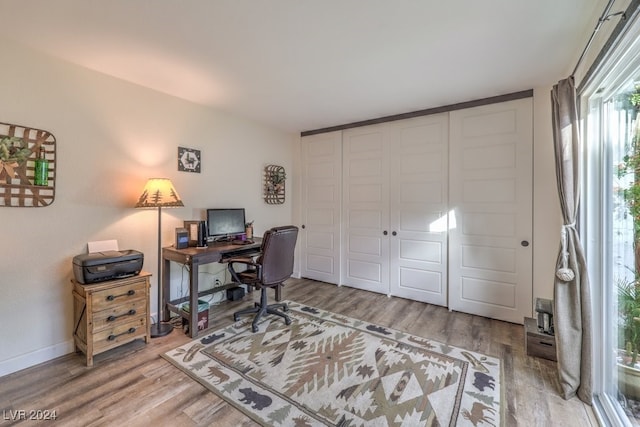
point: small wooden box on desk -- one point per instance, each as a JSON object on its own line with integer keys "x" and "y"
{"x": 109, "y": 314}
{"x": 537, "y": 343}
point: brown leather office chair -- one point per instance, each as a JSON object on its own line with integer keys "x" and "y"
{"x": 269, "y": 270}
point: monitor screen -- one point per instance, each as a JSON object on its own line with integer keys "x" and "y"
{"x": 225, "y": 223}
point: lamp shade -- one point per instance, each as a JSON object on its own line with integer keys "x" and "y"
{"x": 159, "y": 193}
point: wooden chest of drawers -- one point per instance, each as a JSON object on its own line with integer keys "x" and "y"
{"x": 109, "y": 314}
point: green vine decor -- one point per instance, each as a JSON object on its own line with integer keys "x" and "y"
{"x": 13, "y": 152}
{"x": 13, "y": 148}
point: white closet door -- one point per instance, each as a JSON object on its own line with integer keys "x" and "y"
{"x": 366, "y": 209}
{"x": 418, "y": 208}
{"x": 490, "y": 253}
{"x": 321, "y": 199}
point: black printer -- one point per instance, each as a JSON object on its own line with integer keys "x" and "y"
{"x": 100, "y": 266}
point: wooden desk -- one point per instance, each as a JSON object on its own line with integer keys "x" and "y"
{"x": 193, "y": 258}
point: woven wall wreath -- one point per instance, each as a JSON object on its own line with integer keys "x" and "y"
{"x": 274, "y": 184}
{"x": 19, "y": 150}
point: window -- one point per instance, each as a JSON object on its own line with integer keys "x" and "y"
{"x": 611, "y": 201}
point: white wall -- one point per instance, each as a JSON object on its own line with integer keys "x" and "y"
{"x": 111, "y": 136}
{"x": 547, "y": 218}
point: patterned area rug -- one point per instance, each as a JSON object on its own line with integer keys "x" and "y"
{"x": 328, "y": 369}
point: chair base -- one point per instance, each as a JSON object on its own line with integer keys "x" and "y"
{"x": 262, "y": 309}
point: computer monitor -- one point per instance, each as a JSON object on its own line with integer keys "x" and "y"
{"x": 225, "y": 224}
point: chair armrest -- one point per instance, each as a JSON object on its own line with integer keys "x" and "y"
{"x": 243, "y": 260}
{"x": 251, "y": 265}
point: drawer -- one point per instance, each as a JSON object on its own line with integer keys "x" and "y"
{"x": 119, "y": 334}
{"x": 116, "y": 296}
{"x": 123, "y": 312}
{"x": 538, "y": 344}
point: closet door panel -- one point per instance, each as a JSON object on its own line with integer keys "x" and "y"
{"x": 491, "y": 194}
{"x": 365, "y": 209}
{"x": 418, "y": 208}
{"x": 321, "y": 201}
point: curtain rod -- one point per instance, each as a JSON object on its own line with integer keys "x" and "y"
{"x": 605, "y": 17}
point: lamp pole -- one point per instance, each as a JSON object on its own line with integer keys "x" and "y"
{"x": 160, "y": 329}
{"x": 158, "y": 193}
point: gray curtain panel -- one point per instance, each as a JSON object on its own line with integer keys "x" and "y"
{"x": 572, "y": 294}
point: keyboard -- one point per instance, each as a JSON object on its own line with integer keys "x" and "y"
{"x": 242, "y": 242}
{"x": 240, "y": 252}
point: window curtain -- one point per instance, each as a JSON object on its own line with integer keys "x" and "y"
{"x": 572, "y": 295}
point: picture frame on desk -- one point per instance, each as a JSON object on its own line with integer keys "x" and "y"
{"x": 192, "y": 229}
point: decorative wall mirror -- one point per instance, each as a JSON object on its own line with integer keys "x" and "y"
{"x": 274, "y": 184}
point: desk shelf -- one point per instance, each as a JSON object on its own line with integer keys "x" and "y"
{"x": 174, "y": 305}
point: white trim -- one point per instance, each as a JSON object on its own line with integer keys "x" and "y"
{"x": 620, "y": 64}
{"x": 28, "y": 360}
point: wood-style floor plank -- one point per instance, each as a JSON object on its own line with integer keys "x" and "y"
{"x": 132, "y": 385}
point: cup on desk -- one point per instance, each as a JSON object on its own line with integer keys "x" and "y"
{"x": 248, "y": 231}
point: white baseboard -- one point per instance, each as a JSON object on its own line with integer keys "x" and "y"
{"x": 35, "y": 357}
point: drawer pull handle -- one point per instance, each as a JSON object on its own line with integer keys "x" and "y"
{"x": 128, "y": 294}
{"x": 128, "y": 313}
{"x": 546, "y": 343}
{"x": 113, "y": 337}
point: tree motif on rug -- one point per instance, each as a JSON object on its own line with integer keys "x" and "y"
{"x": 328, "y": 369}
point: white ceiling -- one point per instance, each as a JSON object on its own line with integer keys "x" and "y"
{"x": 306, "y": 64}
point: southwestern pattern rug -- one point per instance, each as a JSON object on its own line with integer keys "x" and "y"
{"x": 329, "y": 369}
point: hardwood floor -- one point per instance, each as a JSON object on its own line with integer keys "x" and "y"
{"x": 133, "y": 386}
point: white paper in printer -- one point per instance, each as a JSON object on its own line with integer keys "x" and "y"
{"x": 103, "y": 246}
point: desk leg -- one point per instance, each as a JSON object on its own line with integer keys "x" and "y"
{"x": 193, "y": 297}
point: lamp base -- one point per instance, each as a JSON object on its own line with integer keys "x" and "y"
{"x": 161, "y": 329}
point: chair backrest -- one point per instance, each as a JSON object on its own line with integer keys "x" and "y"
{"x": 278, "y": 246}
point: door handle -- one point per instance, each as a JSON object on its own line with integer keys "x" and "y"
{"x": 385, "y": 232}
{"x": 394, "y": 233}
{"x": 524, "y": 243}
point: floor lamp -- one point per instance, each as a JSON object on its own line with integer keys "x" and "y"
{"x": 159, "y": 193}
